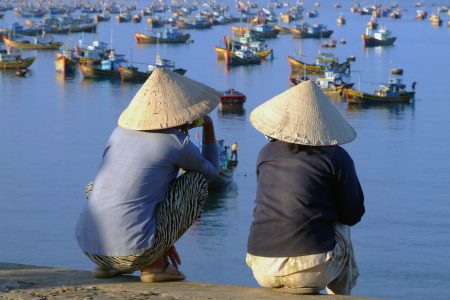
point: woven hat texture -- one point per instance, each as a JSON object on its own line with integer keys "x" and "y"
{"x": 302, "y": 115}
{"x": 166, "y": 100}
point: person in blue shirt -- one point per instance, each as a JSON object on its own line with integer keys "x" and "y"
{"x": 139, "y": 206}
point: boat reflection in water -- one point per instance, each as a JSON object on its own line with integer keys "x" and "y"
{"x": 230, "y": 112}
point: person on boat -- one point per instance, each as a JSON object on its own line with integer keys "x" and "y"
{"x": 138, "y": 207}
{"x": 413, "y": 86}
{"x": 308, "y": 195}
{"x": 234, "y": 152}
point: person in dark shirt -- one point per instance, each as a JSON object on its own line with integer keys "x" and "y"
{"x": 308, "y": 195}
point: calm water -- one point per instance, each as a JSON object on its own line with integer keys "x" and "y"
{"x": 52, "y": 133}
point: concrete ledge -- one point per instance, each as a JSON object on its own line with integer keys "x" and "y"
{"x": 34, "y": 282}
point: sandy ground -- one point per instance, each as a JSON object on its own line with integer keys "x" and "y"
{"x": 41, "y": 283}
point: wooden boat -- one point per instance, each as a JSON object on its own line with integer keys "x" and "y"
{"x": 11, "y": 60}
{"x": 332, "y": 82}
{"x": 381, "y": 37}
{"x": 341, "y": 20}
{"x": 393, "y": 92}
{"x": 241, "y": 57}
{"x": 66, "y": 61}
{"x": 136, "y": 18}
{"x": 323, "y": 62}
{"x": 103, "y": 69}
{"x": 193, "y": 23}
{"x": 168, "y": 36}
{"x": 38, "y": 43}
{"x": 396, "y": 71}
{"x": 435, "y": 20}
{"x": 231, "y": 99}
{"x": 329, "y": 44}
{"x": 226, "y": 169}
{"x": 246, "y": 43}
{"x": 101, "y": 17}
{"x": 123, "y": 18}
{"x": 421, "y": 14}
{"x": 262, "y": 31}
{"x": 155, "y": 22}
{"x": 316, "y": 31}
{"x": 132, "y": 74}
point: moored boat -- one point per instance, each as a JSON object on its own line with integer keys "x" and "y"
{"x": 381, "y": 37}
{"x": 323, "y": 62}
{"x": 132, "y": 74}
{"x": 227, "y": 167}
{"x": 9, "y": 59}
{"x": 168, "y": 36}
{"x": 392, "y": 92}
{"x": 435, "y": 20}
{"x": 241, "y": 57}
{"x": 103, "y": 69}
{"x": 316, "y": 31}
{"x": 66, "y": 61}
{"x": 231, "y": 99}
{"x": 38, "y": 43}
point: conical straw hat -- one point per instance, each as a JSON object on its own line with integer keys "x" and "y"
{"x": 166, "y": 100}
{"x": 302, "y": 115}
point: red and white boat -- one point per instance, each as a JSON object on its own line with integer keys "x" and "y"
{"x": 231, "y": 99}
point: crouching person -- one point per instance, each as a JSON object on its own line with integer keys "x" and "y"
{"x": 138, "y": 207}
{"x": 308, "y": 196}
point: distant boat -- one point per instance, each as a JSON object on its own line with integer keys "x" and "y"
{"x": 193, "y": 23}
{"x": 38, "y": 43}
{"x": 13, "y": 60}
{"x": 132, "y": 74}
{"x": 332, "y": 82}
{"x": 241, "y": 57}
{"x": 421, "y": 14}
{"x": 392, "y": 92}
{"x": 341, "y": 20}
{"x": 231, "y": 99}
{"x": 102, "y": 17}
{"x": 226, "y": 169}
{"x": 381, "y": 37}
{"x": 66, "y": 61}
{"x": 435, "y": 20}
{"x": 168, "y": 36}
{"x": 103, "y": 69}
{"x": 316, "y": 31}
{"x": 262, "y": 31}
{"x": 323, "y": 62}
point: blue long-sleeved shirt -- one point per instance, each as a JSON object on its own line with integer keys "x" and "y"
{"x": 136, "y": 172}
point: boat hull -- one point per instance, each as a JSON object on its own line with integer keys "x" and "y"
{"x": 357, "y": 97}
{"x": 300, "y": 34}
{"x": 20, "y": 64}
{"x": 224, "y": 179}
{"x": 91, "y": 72}
{"x": 298, "y": 66}
{"x": 232, "y": 59}
{"x": 30, "y": 46}
{"x": 65, "y": 65}
{"x": 148, "y": 39}
{"x": 133, "y": 75}
{"x": 369, "y": 41}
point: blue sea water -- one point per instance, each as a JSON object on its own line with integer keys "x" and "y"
{"x": 53, "y": 130}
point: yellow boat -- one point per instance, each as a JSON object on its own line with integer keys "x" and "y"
{"x": 322, "y": 62}
{"x": 14, "y": 61}
{"x": 37, "y": 44}
{"x": 222, "y": 53}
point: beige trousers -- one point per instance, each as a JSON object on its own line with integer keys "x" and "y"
{"x": 334, "y": 270}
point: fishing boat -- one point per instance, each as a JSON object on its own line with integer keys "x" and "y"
{"x": 37, "y": 43}
{"x": 11, "y": 59}
{"x": 381, "y": 37}
{"x": 103, "y": 69}
{"x": 341, "y": 20}
{"x": 155, "y": 22}
{"x": 332, "y": 82}
{"x": 136, "y": 18}
{"x": 331, "y": 43}
{"x": 231, "y": 99}
{"x": 102, "y": 17}
{"x": 397, "y": 71}
{"x": 435, "y": 20}
{"x": 123, "y": 18}
{"x": 323, "y": 62}
{"x": 246, "y": 42}
{"x": 168, "y": 36}
{"x": 392, "y": 92}
{"x": 226, "y": 169}
{"x": 421, "y": 14}
{"x": 132, "y": 74}
{"x": 241, "y": 57}
{"x": 193, "y": 23}
{"x": 316, "y": 31}
{"x": 261, "y": 31}
{"x": 66, "y": 61}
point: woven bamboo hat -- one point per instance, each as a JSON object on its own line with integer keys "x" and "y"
{"x": 166, "y": 100}
{"x": 302, "y": 115}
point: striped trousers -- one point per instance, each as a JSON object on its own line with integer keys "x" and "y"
{"x": 174, "y": 215}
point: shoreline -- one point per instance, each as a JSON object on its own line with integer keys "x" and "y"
{"x": 37, "y": 282}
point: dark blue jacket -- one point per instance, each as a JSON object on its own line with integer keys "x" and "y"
{"x": 300, "y": 196}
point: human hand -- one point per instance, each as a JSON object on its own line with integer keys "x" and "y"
{"x": 173, "y": 256}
